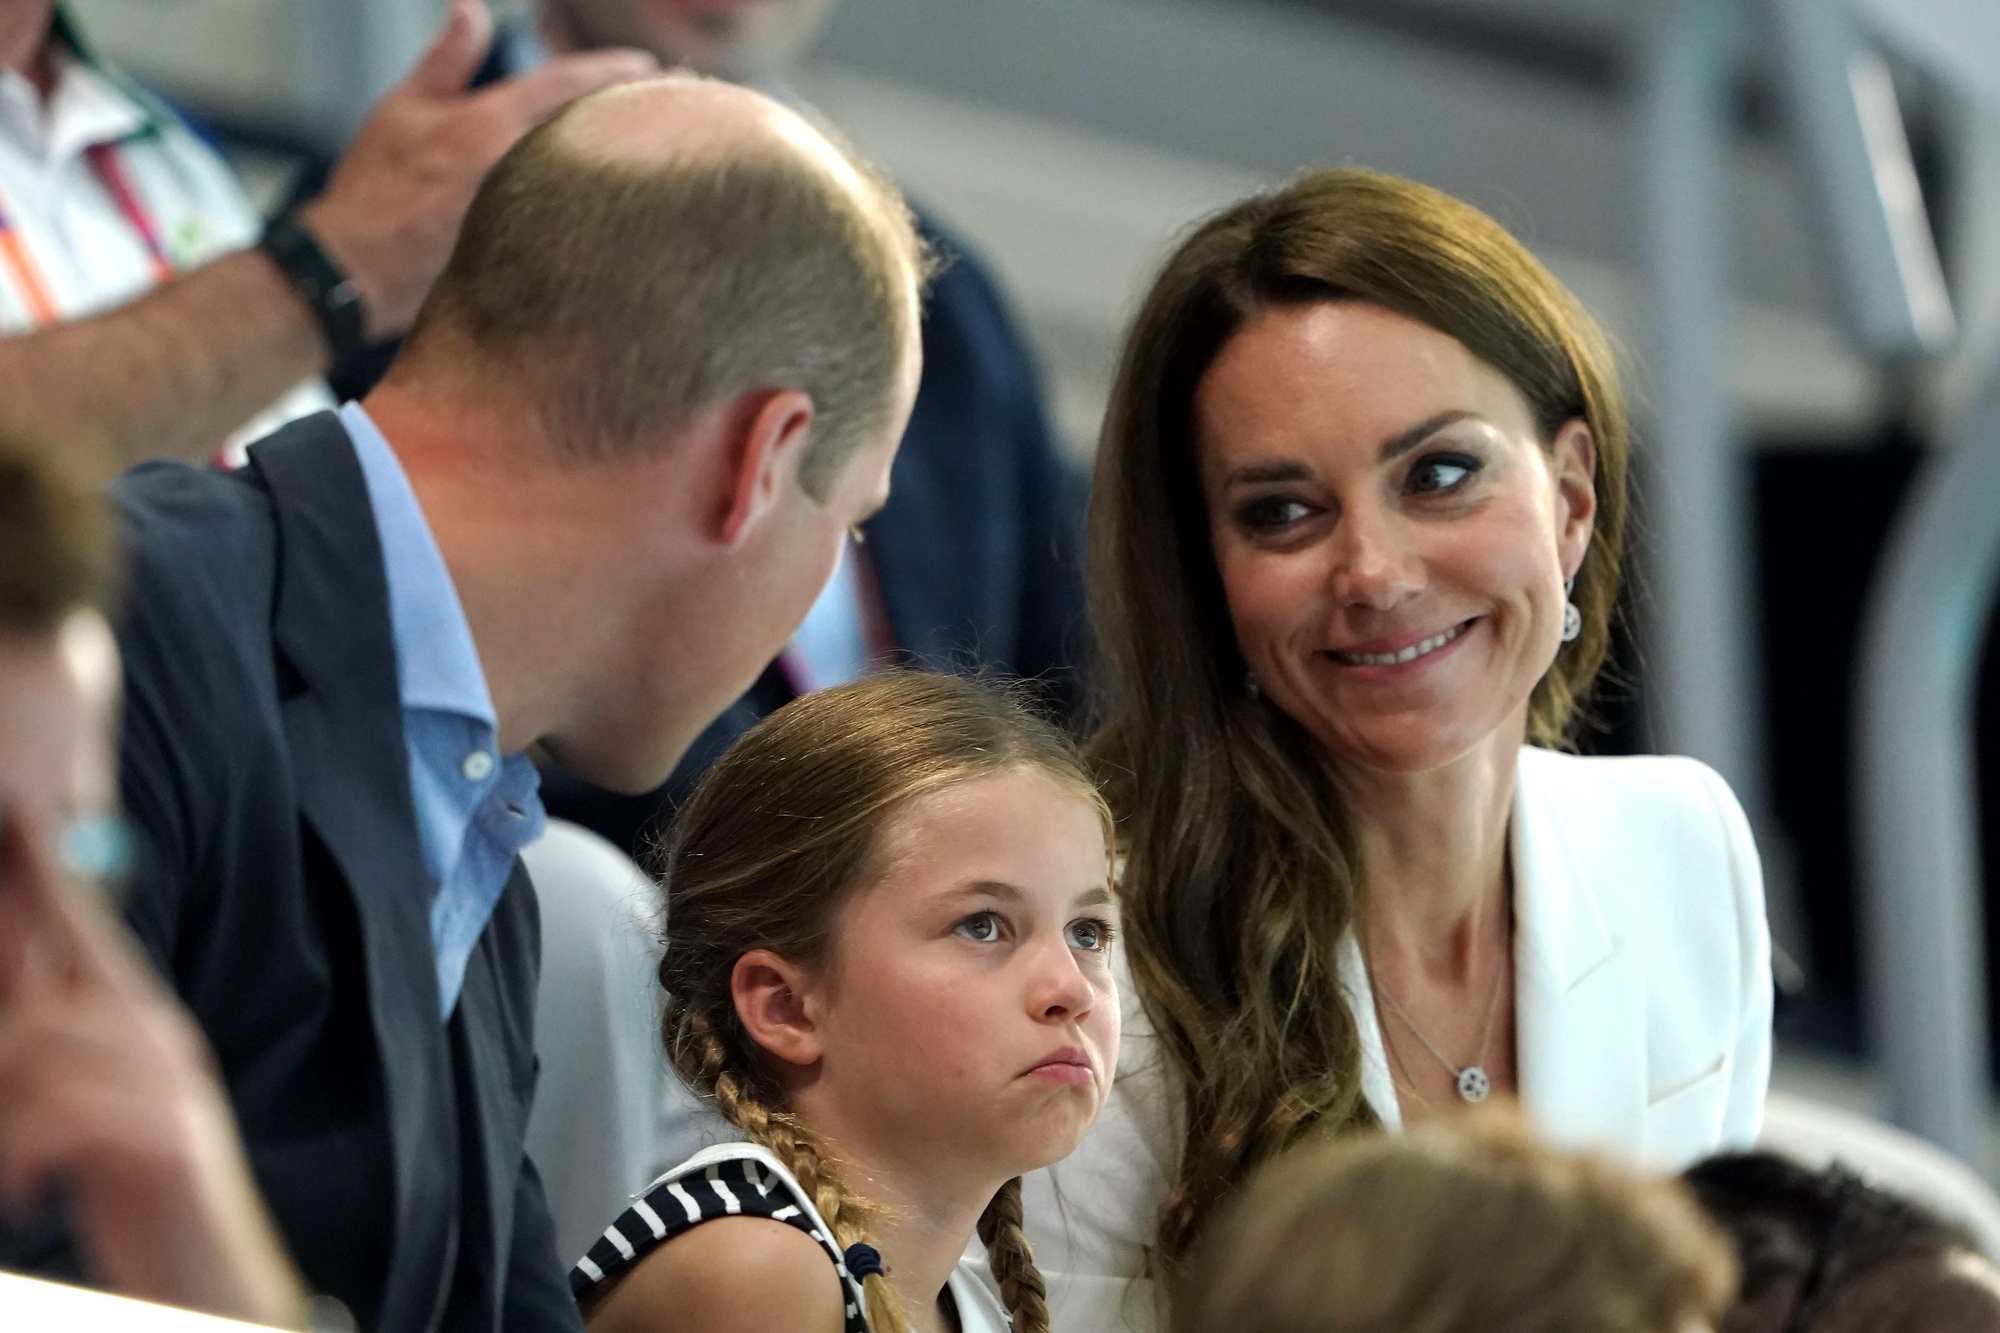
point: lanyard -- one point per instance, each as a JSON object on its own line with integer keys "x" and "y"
{"x": 104, "y": 158}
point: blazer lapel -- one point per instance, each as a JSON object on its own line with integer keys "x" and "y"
{"x": 346, "y": 735}
{"x": 494, "y": 1026}
{"x": 1580, "y": 1000}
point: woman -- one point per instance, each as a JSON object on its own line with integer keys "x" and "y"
{"x": 1357, "y": 523}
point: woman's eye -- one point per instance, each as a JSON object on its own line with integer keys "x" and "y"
{"x": 1441, "y": 472}
{"x": 1271, "y": 512}
{"x": 1092, "y": 935}
{"x": 981, "y": 927}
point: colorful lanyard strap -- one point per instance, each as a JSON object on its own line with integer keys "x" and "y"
{"x": 28, "y": 278}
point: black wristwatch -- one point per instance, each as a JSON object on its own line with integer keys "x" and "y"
{"x": 320, "y": 283}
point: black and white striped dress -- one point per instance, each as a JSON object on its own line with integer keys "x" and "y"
{"x": 728, "y": 1180}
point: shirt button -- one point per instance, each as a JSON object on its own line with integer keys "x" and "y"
{"x": 477, "y": 766}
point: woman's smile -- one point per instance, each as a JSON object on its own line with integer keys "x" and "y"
{"x": 1401, "y": 651}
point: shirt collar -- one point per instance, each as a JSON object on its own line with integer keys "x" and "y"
{"x": 437, "y": 663}
{"x": 85, "y": 108}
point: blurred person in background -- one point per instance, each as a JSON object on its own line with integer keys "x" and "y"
{"x": 119, "y": 1158}
{"x": 663, "y": 372}
{"x": 1466, "y": 1226}
{"x": 1822, "y": 1251}
{"x": 1356, "y": 533}
{"x": 139, "y": 309}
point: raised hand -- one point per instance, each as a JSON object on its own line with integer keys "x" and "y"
{"x": 393, "y": 205}
{"x": 108, "y": 1092}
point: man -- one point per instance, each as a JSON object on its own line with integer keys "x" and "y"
{"x": 976, "y": 561}
{"x": 142, "y": 309}
{"x": 110, "y": 1100}
{"x": 664, "y": 370}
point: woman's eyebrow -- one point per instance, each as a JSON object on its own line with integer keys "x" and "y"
{"x": 1264, "y": 474}
{"x": 1257, "y": 474}
{"x": 1098, "y": 896}
{"x": 1401, "y": 443}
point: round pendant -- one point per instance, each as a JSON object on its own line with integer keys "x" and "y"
{"x": 1473, "y": 1085}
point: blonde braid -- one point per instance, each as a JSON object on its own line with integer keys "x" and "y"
{"x": 793, "y": 1144}
{"x": 1012, "y": 1260}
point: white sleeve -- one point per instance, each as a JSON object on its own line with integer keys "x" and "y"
{"x": 1750, "y": 1055}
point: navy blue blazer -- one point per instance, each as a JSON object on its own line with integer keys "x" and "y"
{"x": 284, "y": 895}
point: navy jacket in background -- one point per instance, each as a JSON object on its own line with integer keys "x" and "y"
{"x": 284, "y": 896}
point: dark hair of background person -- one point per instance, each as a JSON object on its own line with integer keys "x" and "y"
{"x": 1463, "y": 1226}
{"x": 1824, "y": 1252}
{"x": 58, "y": 551}
{"x": 633, "y": 294}
{"x": 779, "y": 834}
{"x": 1241, "y": 874}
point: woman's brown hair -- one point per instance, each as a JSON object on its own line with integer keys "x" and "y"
{"x": 1241, "y": 873}
{"x": 1463, "y": 1226}
{"x": 777, "y": 837}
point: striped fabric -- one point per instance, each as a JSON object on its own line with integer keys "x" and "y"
{"x": 730, "y": 1179}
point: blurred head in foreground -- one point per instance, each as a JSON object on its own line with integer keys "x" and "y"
{"x": 1462, "y": 1226}
{"x": 1822, "y": 1252}
{"x": 110, "y": 1091}
{"x": 58, "y": 666}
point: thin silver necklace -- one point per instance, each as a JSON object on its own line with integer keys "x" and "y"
{"x": 1474, "y": 1085}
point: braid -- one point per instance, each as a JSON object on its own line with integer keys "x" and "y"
{"x": 793, "y": 1144}
{"x": 1012, "y": 1260}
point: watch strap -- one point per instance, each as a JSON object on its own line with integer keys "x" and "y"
{"x": 321, "y": 283}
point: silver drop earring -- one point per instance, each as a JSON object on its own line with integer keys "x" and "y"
{"x": 1250, "y": 685}
{"x": 1572, "y": 618}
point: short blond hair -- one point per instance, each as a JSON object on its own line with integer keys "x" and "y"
{"x": 1462, "y": 1226}
{"x": 624, "y": 297}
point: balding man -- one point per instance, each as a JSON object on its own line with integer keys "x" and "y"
{"x": 663, "y": 373}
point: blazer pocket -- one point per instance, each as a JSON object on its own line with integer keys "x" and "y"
{"x": 1684, "y": 1123}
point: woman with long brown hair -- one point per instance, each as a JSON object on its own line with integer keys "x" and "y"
{"x": 889, "y": 917}
{"x": 1357, "y": 526}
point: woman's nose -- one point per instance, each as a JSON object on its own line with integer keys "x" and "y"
{"x": 1372, "y": 563}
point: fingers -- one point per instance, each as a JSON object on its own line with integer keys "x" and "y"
{"x": 36, "y": 944}
{"x": 66, "y": 936}
{"x": 531, "y": 98}
{"x": 457, "y": 53}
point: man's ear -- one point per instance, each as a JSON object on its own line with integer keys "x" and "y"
{"x": 1574, "y": 462}
{"x": 770, "y": 992}
{"x": 769, "y": 433}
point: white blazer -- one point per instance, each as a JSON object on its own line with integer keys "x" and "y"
{"x": 1642, "y": 1008}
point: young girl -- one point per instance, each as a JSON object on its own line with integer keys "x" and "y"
{"x": 888, "y": 921}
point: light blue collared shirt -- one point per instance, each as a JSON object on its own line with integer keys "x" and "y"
{"x": 475, "y": 807}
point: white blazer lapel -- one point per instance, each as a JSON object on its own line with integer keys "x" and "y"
{"x": 1580, "y": 1015}
{"x": 1378, "y": 1085}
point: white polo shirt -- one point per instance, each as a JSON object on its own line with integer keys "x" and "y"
{"x": 104, "y": 193}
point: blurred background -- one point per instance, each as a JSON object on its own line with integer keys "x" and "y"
{"x": 1786, "y": 213}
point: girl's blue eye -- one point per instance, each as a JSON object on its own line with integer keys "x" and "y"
{"x": 1090, "y": 934}
{"x": 1441, "y": 472}
{"x": 982, "y": 927}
